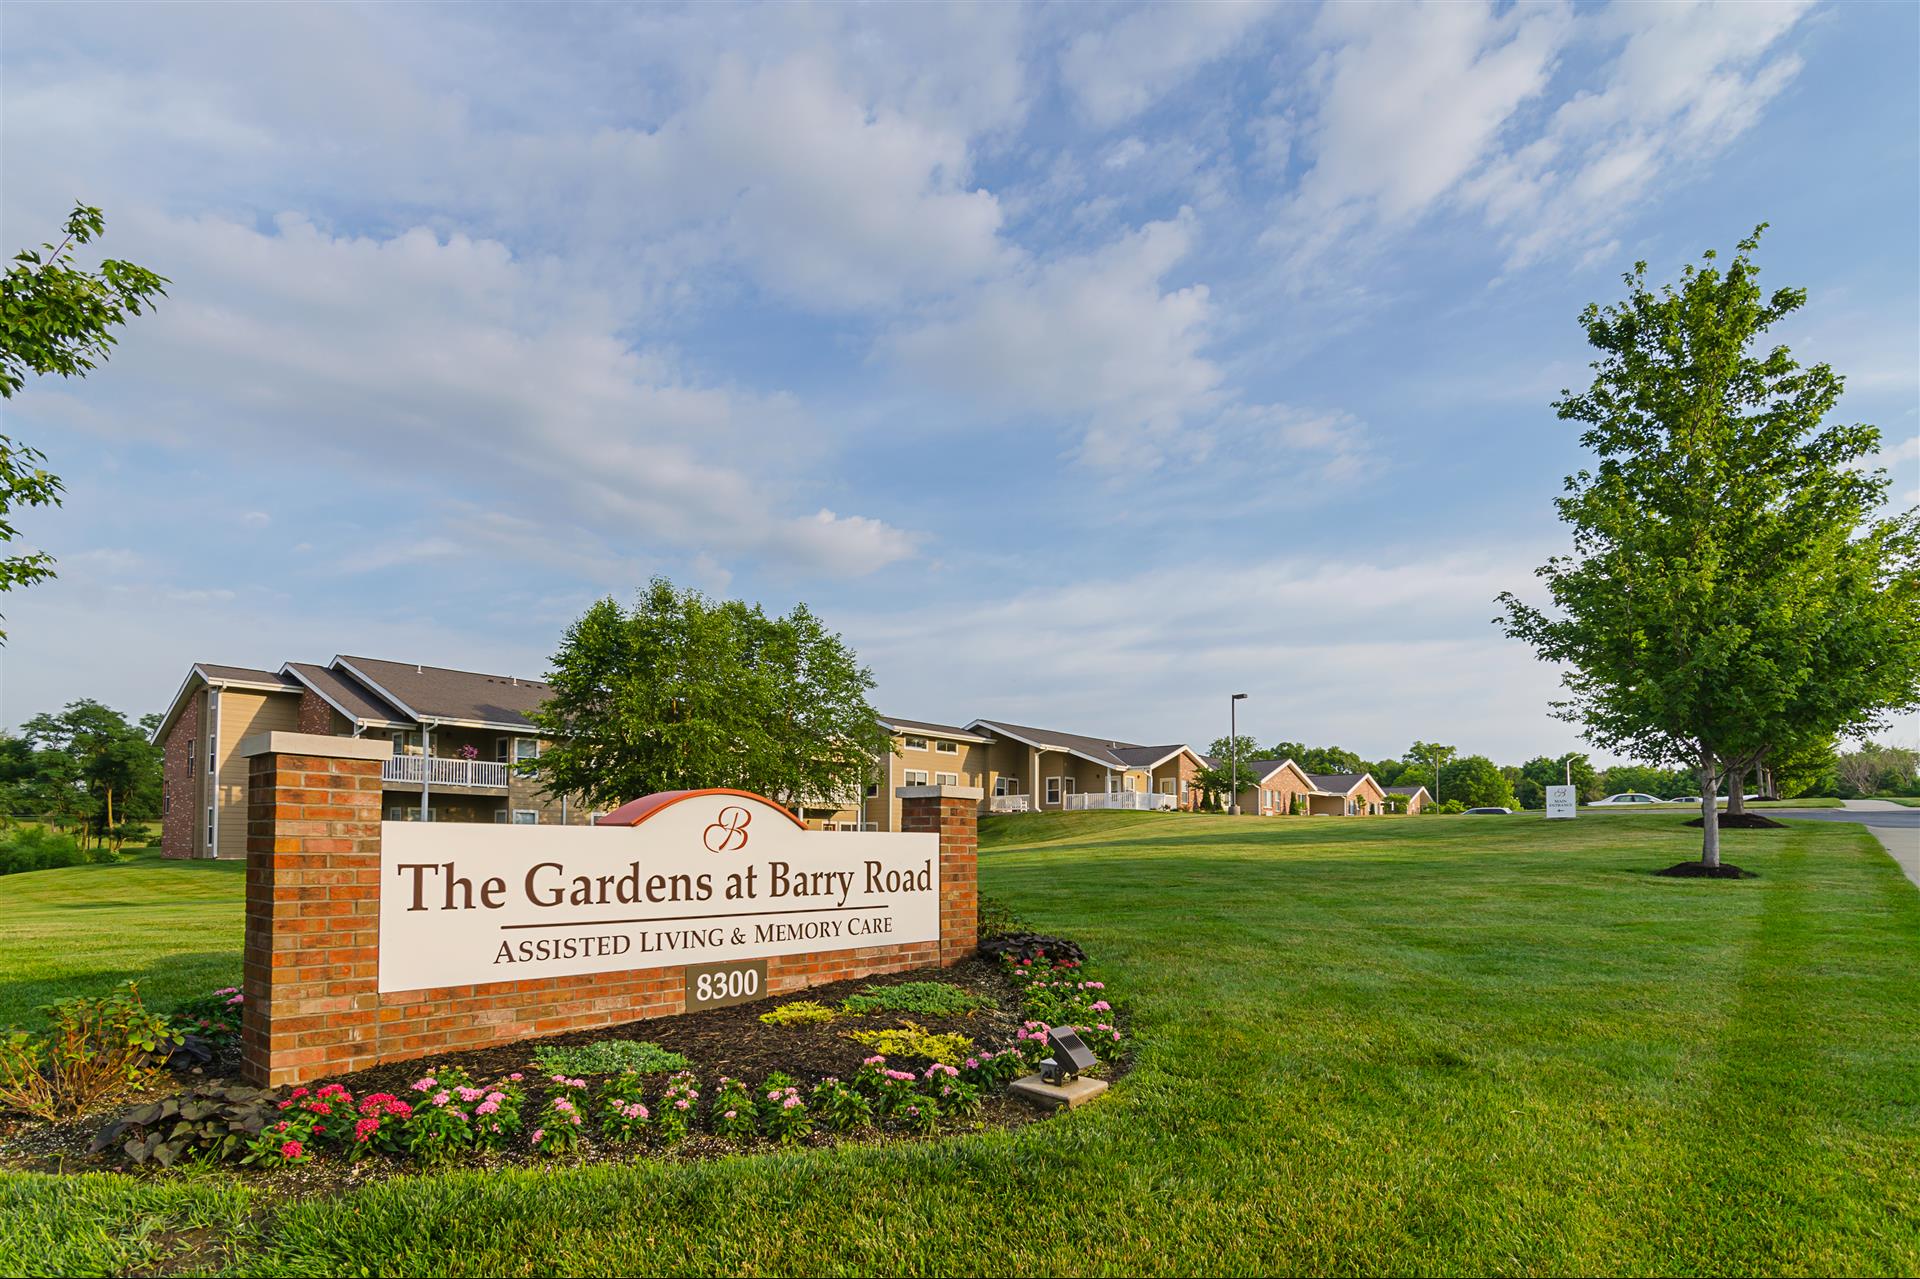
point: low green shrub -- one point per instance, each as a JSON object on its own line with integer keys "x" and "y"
{"x": 37, "y": 848}
{"x": 608, "y": 1057}
{"x": 214, "y": 1017}
{"x": 734, "y": 1115}
{"x": 801, "y": 1012}
{"x": 995, "y": 917}
{"x": 92, "y": 1050}
{"x": 911, "y": 1039}
{"x": 925, "y": 998}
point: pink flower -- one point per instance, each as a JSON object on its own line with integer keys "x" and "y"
{"x": 538, "y": 1133}
{"x": 365, "y": 1129}
{"x": 442, "y": 1097}
{"x": 790, "y": 1103}
{"x": 291, "y": 1150}
{"x": 680, "y": 1103}
{"x": 425, "y": 1083}
{"x": 516, "y": 1076}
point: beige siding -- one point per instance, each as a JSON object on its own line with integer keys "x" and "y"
{"x": 243, "y": 714}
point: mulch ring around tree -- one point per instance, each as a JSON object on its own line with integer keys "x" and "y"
{"x": 1700, "y": 870}
{"x": 1744, "y": 821}
{"x": 722, "y": 1041}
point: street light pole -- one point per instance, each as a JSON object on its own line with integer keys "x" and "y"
{"x": 1233, "y": 752}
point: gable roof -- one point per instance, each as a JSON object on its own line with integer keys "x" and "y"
{"x": 922, "y": 727}
{"x": 347, "y": 695}
{"x": 1408, "y": 790}
{"x": 217, "y": 675}
{"x": 1098, "y": 750}
{"x": 441, "y": 694}
{"x": 1152, "y": 756}
{"x": 1340, "y": 783}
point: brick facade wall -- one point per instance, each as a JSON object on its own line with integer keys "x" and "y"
{"x": 179, "y": 820}
{"x": 316, "y": 716}
{"x": 313, "y": 925}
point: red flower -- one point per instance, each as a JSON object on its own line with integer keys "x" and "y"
{"x": 291, "y": 1150}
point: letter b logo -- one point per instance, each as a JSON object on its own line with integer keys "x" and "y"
{"x": 728, "y": 831}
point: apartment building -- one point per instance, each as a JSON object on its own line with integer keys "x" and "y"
{"x": 456, "y": 736}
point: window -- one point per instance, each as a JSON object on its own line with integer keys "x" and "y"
{"x": 1067, "y": 784}
{"x": 526, "y": 817}
{"x": 396, "y": 813}
{"x": 1006, "y": 785}
{"x": 1113, "y": 784}
{"x": 500, "y": 816}
{"x": 501, "y": 748}
{"x": 1053, "y": 790}
{"x": 946, "y": 779}
{"x": 526, "y": 748}
{"x": 209, "y": 827}
{"x": 1167, "y": 785}
{"x": 1130, "y": 782}
{"x": 192, "y": 756}
{"x": 399, "y": 743}
{"x": 914, "y": 777}
{"x": 916, "y": 743}
{"x": 947, "y": 748}
{"x": 873, "y": 790}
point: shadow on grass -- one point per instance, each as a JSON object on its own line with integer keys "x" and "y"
{"x": 162, "y": 984}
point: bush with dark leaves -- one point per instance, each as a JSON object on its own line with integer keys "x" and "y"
{"x": 1017, "y": 946}
{"x": 213, "y": 1121}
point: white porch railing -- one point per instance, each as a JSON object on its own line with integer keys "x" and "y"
{"x": 1137, "y": 801}
{"x": 1010, "y": 804}
{"x": 437, "y": 771}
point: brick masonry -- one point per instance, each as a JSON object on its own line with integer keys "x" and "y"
{"x": 179, "y": 782}
{"x": 312, "y": 952}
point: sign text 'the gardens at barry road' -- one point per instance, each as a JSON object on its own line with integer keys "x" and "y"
{"x": 697, "y": 877}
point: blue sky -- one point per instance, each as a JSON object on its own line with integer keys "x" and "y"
{"x": 1080, "y": 365}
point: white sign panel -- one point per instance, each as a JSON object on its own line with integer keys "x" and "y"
{"x": 701, "y": 877}
{"x": 1563, "y": 801}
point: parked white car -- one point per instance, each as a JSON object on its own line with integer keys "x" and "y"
{"x": 1629, "y": 797}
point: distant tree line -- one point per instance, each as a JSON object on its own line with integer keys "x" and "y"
{"x": 85, "y": 769}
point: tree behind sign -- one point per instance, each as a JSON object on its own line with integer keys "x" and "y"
{"x": 682, "y": 692}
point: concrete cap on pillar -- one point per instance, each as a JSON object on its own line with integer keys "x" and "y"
{"x": 939, "y": 792}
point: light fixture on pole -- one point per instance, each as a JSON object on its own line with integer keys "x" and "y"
{"x": 1233, "y": 752}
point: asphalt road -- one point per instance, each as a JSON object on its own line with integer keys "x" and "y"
{"x": 1896, "y": 827}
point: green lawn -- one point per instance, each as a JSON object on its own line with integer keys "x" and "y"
{"x": 172, "y": 926}
{"x": 1906, "y": 801}
{"x": 1396, "y": 1046}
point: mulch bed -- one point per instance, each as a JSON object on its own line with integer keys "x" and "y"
{"x": 722, "y": 1041}
{"x": 1700, "y": 870}
{"x": 1744, "y": 821}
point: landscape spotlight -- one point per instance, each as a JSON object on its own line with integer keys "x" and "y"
{"x": 1070, "y": 1056}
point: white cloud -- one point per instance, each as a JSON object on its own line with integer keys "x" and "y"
{"x": 1368, "y": 650}
{"x": 1120, "y": 70}
{"x": 417, "y": 360}
{"x": 1094, "y": 337}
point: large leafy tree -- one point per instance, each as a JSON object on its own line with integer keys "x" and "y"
{"x": 87, "y": 766}
{"x": 1732, "y": 585}
{"x": 1540, "y": 772}
{"x": 56, "y": 317}
{"x": 681, "y": 692}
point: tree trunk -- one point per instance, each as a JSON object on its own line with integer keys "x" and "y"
{"x": 1709, "y": 813}
{"x": 1737, "y": 789}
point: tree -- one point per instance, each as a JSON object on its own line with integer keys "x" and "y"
{"x": 1877, "y": 770}
{"x": 1477, "y": 782}
{"x": 684, "y": 692}
{"x": 91, "y": 768}
{"x": 1232, "y": 773}
{"x": 1330, "y": 759}
{"x": 1540, "y": 772}
{"x": 1730, "y": 586}
{"x": 56, "y": 318}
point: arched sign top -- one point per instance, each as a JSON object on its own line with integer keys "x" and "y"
{"x": 636, "y": 811}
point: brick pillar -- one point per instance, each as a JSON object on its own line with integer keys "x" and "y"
{"x": 313, "y": 905}
{"x": 953, "y": 813}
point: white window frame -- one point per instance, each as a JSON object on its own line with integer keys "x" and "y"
{"x": 1053, "y": 791}
{"x": 1169, "y": 785}
{"x": 526, "y": 817}
{"x": 946, "y": 779}
{"x": 873, "y": 790}
{"x": 914, "y": 777}
{"x": 399, "y": 742}
{"x": 503, "y": 750}
{"x": 525, "y": 748}
{"x": 915, "y": 744}
{"x": 1069, "y": 786}
{"x": 499, "y": 817}
{"x": 946, "y": 748}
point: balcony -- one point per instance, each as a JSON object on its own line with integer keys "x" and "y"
{"x": 1137, "y": 801}
{"x": 1010, "y": 804}
{"x": 413, "y": 770}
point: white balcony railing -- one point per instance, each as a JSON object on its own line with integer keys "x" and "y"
{"x": 1137, "y": 801}
{"x": 436, "y": 771}
{"x": 1010, "y": 804}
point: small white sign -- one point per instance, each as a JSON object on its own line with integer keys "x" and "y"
{"x": 702, "y": 878}
{"x": 1563, "y": 801}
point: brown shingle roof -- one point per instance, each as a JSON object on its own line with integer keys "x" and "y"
{"x": 435, "y": 692}
{"x": 1338, "y": 783}
{"x": 354, "y": 699}
{"x": 926, "y": 726}
{"x": 246, "y": 674}
{"x": 1105, "y": 750}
